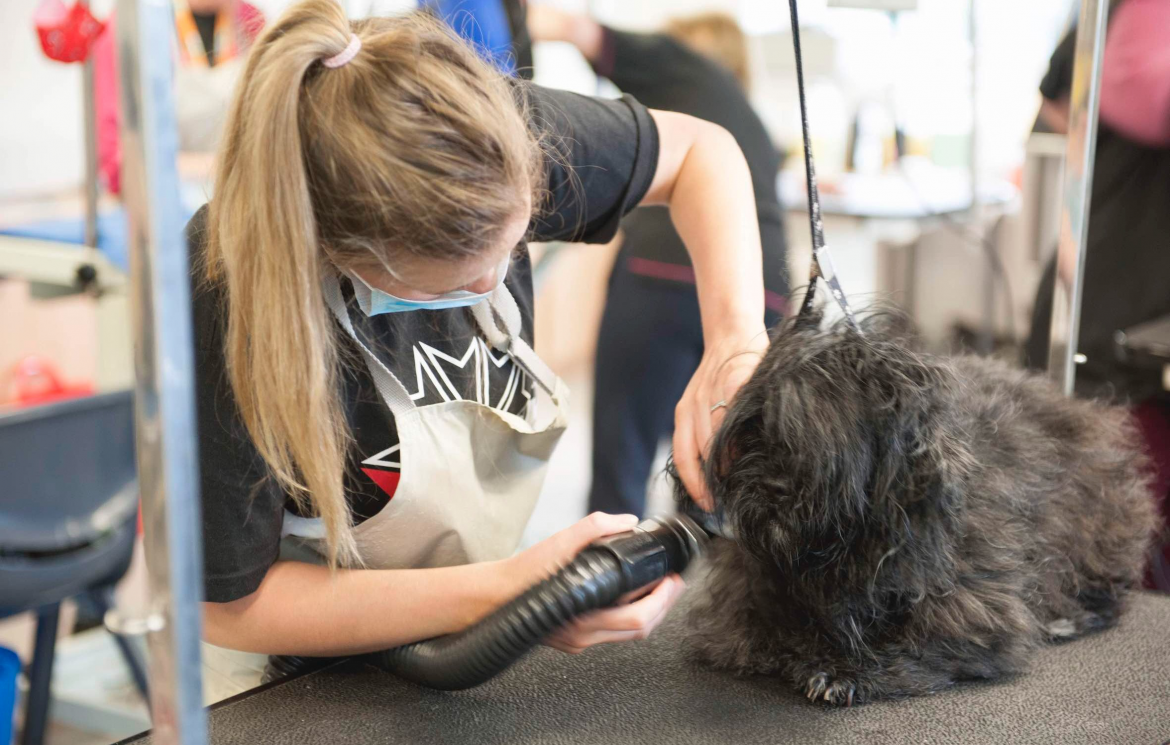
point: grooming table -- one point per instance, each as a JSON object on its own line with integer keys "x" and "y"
{"x": 111, "y": 232}
{"x": 63, "y": 227}
{"x": 1111, "y": 688}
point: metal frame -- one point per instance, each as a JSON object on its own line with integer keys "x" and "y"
{"x": 168, "y": 473}
{"x": 91, "y": 155}
{"x": 1084, "y": 103}
{"x": 986, "y": 339}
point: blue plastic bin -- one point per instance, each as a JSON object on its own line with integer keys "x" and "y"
{"x": 9, "y": 671}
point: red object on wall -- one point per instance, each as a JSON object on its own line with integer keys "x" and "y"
{"x": 34, "y": 381}
{"x": 66, "y": 34}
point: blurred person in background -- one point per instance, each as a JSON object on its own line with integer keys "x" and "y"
{"x": 212, "y": 38}
{"x": 651, "y": 336}
{"x": 496, "y": 28}
{"x": 1127, "y": 254}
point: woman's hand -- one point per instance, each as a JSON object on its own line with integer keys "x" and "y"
{"x": 634, "y": 618}
{"x": 727, "y": 364}
{"x": 703, "y": 177}
{"x": 546, "y": 23}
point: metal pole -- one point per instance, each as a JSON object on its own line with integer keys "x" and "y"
{"x": 986, "y": 339}
{"x": 168, "y": 474}
{"x": 91, "y": 157}
{"x": 1081, "y": 149}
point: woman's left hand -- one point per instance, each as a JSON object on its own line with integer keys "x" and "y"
{"x": 728, "y": 362}
{"x": 634, "y": 618}
{"x": 704, "y": 178}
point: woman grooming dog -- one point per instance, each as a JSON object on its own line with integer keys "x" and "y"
{"x": 370, "y": 443}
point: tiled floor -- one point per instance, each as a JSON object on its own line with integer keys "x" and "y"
{"x": 64, "y": 734}
{"x": 61, "y": 734}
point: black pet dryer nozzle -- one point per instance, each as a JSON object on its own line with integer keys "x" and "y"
{"x": 598, "y": 576}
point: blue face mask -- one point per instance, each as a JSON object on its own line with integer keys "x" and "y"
{"x": 374, "y": 302}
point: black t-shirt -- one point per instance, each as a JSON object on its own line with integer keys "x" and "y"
{"x": 205, "y": 22}
{"x": 1127, "y": 253}
{"x": 606, "y": 155}
{"x": 664, "y": 73}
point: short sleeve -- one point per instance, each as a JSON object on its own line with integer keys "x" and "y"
{"x": 602, "y": 155}
{"x": 242, "y": 510}
{"x": 1058, "y": 80}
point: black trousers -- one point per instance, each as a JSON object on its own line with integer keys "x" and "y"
{"x": 649, "y": 346}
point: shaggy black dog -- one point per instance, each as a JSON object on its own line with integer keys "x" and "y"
{"x": 902, "y": 521}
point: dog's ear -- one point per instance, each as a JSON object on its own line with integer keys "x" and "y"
{"x": 836, "y": 432}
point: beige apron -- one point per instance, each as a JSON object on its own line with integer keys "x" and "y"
{"x": 470, "y": 474}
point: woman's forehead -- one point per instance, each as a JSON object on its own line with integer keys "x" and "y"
{"x": 441, "y": 275}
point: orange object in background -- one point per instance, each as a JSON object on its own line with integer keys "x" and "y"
{"x": 35, "y": 380}
{"x": 63, "y": 330}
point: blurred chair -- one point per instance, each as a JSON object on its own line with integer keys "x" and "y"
{"x": 68, "y": 517}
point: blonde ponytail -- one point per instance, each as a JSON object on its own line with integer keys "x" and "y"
{"x": 414, "y": 146}
{"x": 282, "y": 360}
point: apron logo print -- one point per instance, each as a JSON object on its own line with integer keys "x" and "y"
{"x": 472, "y": 525}
{"x": 386, "y": 473}
{"x": 431, "y": 364}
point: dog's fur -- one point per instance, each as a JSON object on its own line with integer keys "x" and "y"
{"x": 903, "y": 521}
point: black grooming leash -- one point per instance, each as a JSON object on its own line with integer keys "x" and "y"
{"x": 822, "y": 262}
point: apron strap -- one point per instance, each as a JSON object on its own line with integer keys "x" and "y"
{"x": 500, "y": 321}
{"x": 389, "y": 386}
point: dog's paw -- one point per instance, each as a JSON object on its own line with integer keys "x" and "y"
{"x": 835, "y": 691}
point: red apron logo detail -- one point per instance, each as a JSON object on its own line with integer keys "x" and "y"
{"x": 384, "y": 470}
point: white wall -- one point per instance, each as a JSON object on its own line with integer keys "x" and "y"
{"x": 41, "y": 148}
{"x": 923, "y": 65}
{"x": 928, "y": 63}
{"x": 40, "y": 108}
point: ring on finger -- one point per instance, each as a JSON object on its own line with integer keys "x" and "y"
{"x": 720, "y": 405}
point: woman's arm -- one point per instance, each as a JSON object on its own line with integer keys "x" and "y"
{"x": 304, "y": 609}
{"x": 546, "y": 23}
{"x": 703, "y": 176}
{"x": 652, "y": 67}
{"x": 1055, "y": 114}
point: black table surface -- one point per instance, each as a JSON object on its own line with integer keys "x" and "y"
{"x": 1112, "y": 687}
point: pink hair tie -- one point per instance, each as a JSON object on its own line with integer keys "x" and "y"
{"x": 346, "y": 54}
